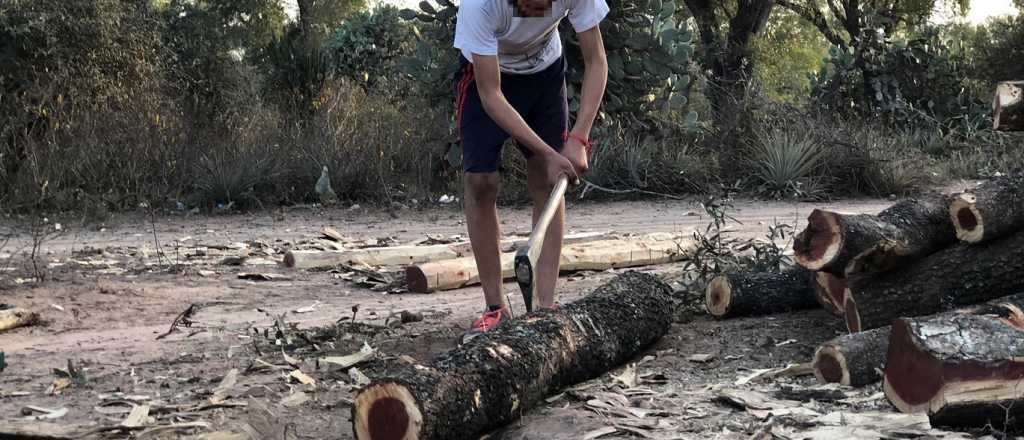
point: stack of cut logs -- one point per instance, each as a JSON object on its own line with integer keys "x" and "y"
{"x": 932, "y": 293}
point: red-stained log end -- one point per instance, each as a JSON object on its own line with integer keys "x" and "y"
{"x": 811, "y": 245}
{"x": 388, "y": 420}
{"x": 912, "y": 377}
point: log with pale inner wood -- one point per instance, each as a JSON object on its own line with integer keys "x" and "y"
{"x": 742, "y": 294}
{"x": 992, "y": 210}
{"x": 14, "y": 317}
{"x": 829, "y": 290}
{"x": 1008, "y": 106}
{"x": 651, "y": 249}
{"x": 857, "y": 359}
{"x": 964, "y": 370}
{"x": 494, "y": 378}
{"x": 404, "y": 255}
{"x": 849, "y": 244}
{"x": 962, "y": 275}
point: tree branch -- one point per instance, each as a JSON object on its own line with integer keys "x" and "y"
{"x": 815, "y": 17}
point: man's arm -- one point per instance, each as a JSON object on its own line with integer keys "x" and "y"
{"x": 487, "y": 74}
{"x": 595, "y": 78}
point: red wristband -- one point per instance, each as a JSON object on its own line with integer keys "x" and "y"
{"x": 587, "y": 144}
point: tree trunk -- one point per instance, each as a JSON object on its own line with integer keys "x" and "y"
{"x": 658, "y": 248}
{"x": 853, "y": 360}
{"x": 756, "y": 294}
{"x": 964, "y": 370}
{"x": 495, "y": 378}
{"x": 1008, "y": 106}
{"x": 728, "y": 56}
{"x": 994, "y": 209}
{"x": 829, "y": 290}
{"x": 405, "y": 255}
{"x": 959, "y": 276}
{"x": 852, "y": 244}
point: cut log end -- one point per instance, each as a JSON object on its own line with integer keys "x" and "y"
{"x": 912, "y": 378}
{"x": 416, "y": 279}
{"x": 851, "y": 313}
{"x": 830, "y": 366}
{"x": 967, "y": 219}
{"x": 717, "y": 296}
{"x": 820, "y": 242}
{"x": 387, "y": 411}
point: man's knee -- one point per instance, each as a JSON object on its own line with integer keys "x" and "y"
{"x": 482, "y": 187}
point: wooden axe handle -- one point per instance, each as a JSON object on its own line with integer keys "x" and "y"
{"x": 526, "y": 258}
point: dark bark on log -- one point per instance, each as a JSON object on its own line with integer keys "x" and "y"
{"x": 962, "y": 275}
{"x": 853, "y": 244}
{"x": 494, "y": 378}
{"x": 829, "y": 290}
{"x": 992, "y": 210}
{"x": 853, "y": 360}
{"x": 1008, "y": 106}
{"x": 963, "y": 369}
{"x": 756, "y": 294}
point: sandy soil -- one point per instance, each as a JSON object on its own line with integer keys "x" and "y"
{"x": 110, "y": 295}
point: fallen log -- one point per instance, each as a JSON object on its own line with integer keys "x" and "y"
{"x": 647, "y": 250}
{"x": 857, "y": 359}
{"x": 829, "y": 290}
{"x": 992, "y": 210}
{"x": 853, "y": 360}
{"x": 15, "y": 317}
{"x": 734, "y": 295}
{"x": 964, "y": 370}
{"x": 899, "y": 235}
{"x": 1008, "y": 106}
{"x": 493, "y": 379}
{"x": 404, "y": 255}
{"x": 962, "y": 275}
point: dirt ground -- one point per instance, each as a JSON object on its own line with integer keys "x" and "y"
{"x": 110, "y": 294}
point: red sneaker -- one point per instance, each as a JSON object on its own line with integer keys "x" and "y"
{"x": 486, "y": 322}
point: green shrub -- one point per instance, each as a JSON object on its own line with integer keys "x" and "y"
{"x": 369, "y": 45}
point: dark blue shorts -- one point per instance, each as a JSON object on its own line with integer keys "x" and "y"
{"x": 539, "y": 98}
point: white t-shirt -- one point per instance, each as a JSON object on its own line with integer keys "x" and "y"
{"x": 523, "y": 44}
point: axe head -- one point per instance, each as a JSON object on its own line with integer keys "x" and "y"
{"x": 524, "y": 276}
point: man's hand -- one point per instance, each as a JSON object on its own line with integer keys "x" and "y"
{"x": 556, "y": 166}
{"x": 576, "y": 152}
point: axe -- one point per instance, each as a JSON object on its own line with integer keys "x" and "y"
{"x": 526, "y": 258}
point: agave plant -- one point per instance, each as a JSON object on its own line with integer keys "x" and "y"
{"x": 787, "y": 163}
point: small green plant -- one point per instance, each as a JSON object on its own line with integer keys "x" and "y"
{"x": 717, "y": 252}
{"x": 787, "y": 164}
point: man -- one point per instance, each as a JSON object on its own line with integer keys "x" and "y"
{"x": 511, "y": 81}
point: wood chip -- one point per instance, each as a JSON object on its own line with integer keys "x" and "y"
{"x": 137, "y": 418}
{"x": 701, "y": 358}
{"x": 47, "y": 413}
{"x": 290, "y": 360}
{"x": 628, "y": 376}
{"x": 347, "y": 361}
{"x": 302, "y": 378}
{"x": 882, "y": 421}
{"x": 358, "y": 377}
{"x": 600, "y": 432}
{"x": 295, "y": 399}
{"x": 221, "y": 393}
{"x": 333, "y": 234}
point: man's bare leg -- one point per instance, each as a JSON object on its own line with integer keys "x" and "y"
{"x": 485, "y": 233}
{"x": 551, "y": 252}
